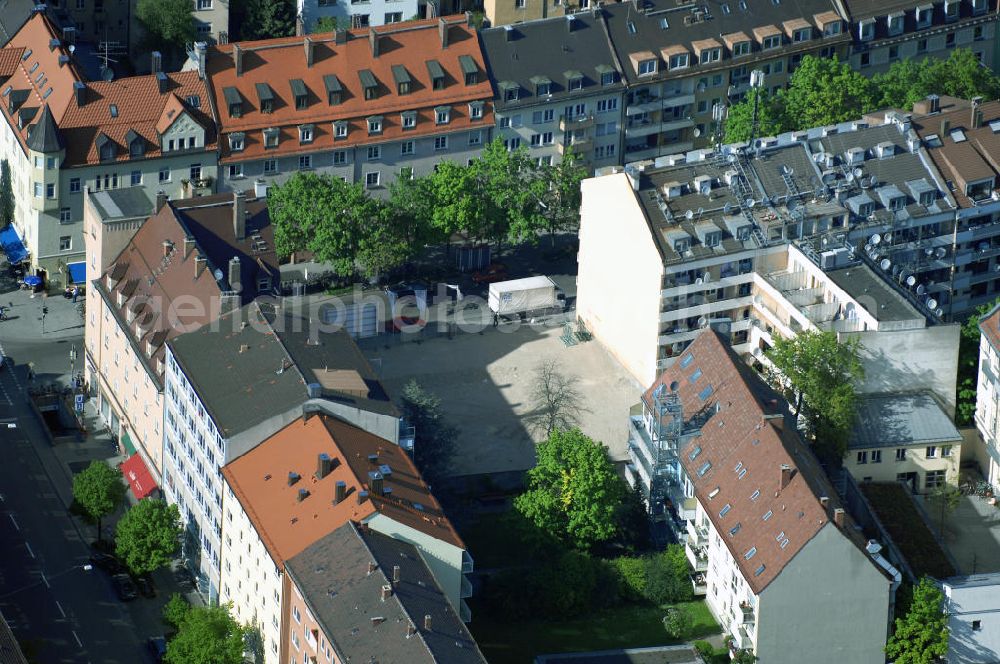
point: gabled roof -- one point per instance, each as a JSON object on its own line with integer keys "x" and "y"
{"x": 346, "y": 616}
{"x": 172, "y": 109}
{"x": 44, "y": 135}
{"x": 268, "y": 479}
{"x": 898, "y": 420}
{"x": 736, "y": 462}
{"x": 989, "y": 326}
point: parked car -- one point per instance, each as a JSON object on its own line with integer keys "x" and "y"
{"x": 490, "y": 274}
{"x": 157, "y": 646}
{"x": 124, "y": 587}
{"x": 145, "y": 584}
{"x": 107, "y": 562}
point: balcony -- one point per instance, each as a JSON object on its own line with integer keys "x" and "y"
{"x": 464, "y": 612}
{"x": 642, "y": 151}
{"x": 467, "y": 563}
{"x": 648, "y": 103}
{"x": 573, "y": 122}
{"x": 697, "y": 536}
{"x": 699, "y": 584}
{"x": 579, "y": 145}
{"x": 697, "y": 556}
{"x": 466, "y": 590}
{"x": 647, "y": 127}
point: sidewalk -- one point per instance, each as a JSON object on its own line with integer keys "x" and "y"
{"x": 24, "y": 313}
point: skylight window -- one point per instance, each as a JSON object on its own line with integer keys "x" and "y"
{"x": 114, "y": 110}
{"x": 631, "y": 27}
{"x": 725, "y": 509}
{"x": 27, "y": 54}
{"x": 739, "y": 467}
{"x": 705, "y": 393}
{"x": 780, "y": 536}
{"x": 686, "y": 362}
{"x": 694, "y": 453}
{"x": 995, "y": 126}
{"x": 704, "y": 468}
{"x": 735, "y": 529}
{"x": 759, "y": 571}
{"x": 768, "y": 515}
{"x": 751, "y": 552}
{"x": 713, "y": 493}
{"x": 664, "y": 24}
{"x": 784, "y": 543}
{"x": 695, "y": 376}
{"x": 725, "y": 9}
{"x": 742, "y": 474}
{"x": 755, "y": 495}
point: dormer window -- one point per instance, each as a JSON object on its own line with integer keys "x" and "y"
{"x": 927, "y": 198}
{"x": 574, "y": 80}
{"x": 266, "y": 97}
{"x": 408, "y": 119}
{"x": 476, "y": 110}
{"x": 233, "y": 101}
{"x": 334, "y": 90}
{"x": 305, "y": 133}
{"x": 121, "y": 299}
{"x": 894, "y": 23}
{"x": 300, "y": 93}
{"x": 770, "y": 42}
{"x": 647, "y": 67}
{"x": 442, "y": 115}
{"x": 741, "y": 48}
{"x": 375, "y": 125}
{"x": 607, "y": 74}
{"x": 543, "y": 86}
{"x": 951, "y": 9}
{"x": 710, "y": 55}
{"x": 106, "y": 148}
{"x": 271, "y": 138}
{"x": 368, "y": 83}
{"x": 402, "y": 79}
{"x": 978, "y": 7}
{"x": 866, "y": 29}
{"x": 924, "y": 15}
{"x": 470, "y": 70}
{"x": 237, "y": 141}
{"x": 510, "y": 90}
{"x": 831, "y": 29}
{"x": 340, "y": 129}
{"x": 802, "y": 35}
{"x": 136, "y": 144}
{"x": 436, "y": 73}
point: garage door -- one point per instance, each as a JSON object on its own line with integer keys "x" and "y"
{"x": 360, "y": 320}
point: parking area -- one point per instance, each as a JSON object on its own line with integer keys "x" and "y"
{"x": 485, "y": 381}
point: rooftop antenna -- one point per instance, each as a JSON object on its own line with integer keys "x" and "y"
{"x": 756, "y": 84}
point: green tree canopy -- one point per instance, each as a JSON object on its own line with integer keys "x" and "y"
{"x": 98, "y": 489}
{"x": 207, "y": 635}
{"x": 770, "y": 117}
{"x": 556, "y": 190}
{"x": 175, "y": 611}
{"x": 921, "y": 637}
{"x": 573, "y": 491}
{"x": 825, "y": 91}
{"x": 6, "y": 195}
{"x": 265, "y": 19}
{"x": 328, "y": 24}
{"x": 148, "y": 536}
{"x": 968, "y": 364}
{"x": 435, "y": 437}
{"x": 820, "y": 373}
{"x": 169, "y": 23}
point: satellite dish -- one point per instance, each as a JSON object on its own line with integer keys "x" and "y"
{"x": 674, "y": 385}
{"x": 875, "y": 239}
{"x": 819, "y": 157}
{"x": 696, "y": 133}
{"x": 941, "y": 251}
{"x": 849, "y": 177}
{"x": 939, "y": 312}
{"x": 689, "y": 215}
{"x": 857, "y": 172}
{"x": 931, "y": 303}
{"x": 928, "y": 251}
{"x": 72, "y": 49}
{"x": 107, "y": 74}
{"x": 885, "y": 264}
{"x": 887, "y": 237}
{"x": 921, "y": 289}
{"x": 750, "y": 203}
{"x": 829, "y": 178}
{"x": 702, "y": 322}
{"x": 217, "y": 274}
{"x": 701, "y": 211}
{"x": 786, "y": 169}
{"x": 910, "y": 280}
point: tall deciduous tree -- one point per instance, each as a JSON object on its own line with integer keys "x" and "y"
{"x": 557, "y": 191}
{"x": 821, "y": 373}
{"x": 921, "y": 636}
{"x": 770, "y": 117}
{"x": 825, "y": 91}
{"x": 968, "y": 364}
{"x": 99, "y": 490}
{"x": 459, "y": 204}
{"x": 265, "y": 19}
{"x": 169, "y": 23}
{"x": 6, "y": 195}
{"x": 435, "y": 437}
{"x": 573, "y": 490}
{"x": 207, "y": 635}
{"x": 555, "y": 400}
{"x": 148, "y": 536}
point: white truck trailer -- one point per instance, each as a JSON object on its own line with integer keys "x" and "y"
{"x": 520, "y": 297}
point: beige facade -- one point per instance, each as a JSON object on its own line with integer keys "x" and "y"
{"x": 926, "y": 466}
{"x": 505, "y": 12}
{"x": 988, "y": 406}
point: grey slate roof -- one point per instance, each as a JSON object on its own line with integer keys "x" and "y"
{"x": 897, "y": 420}
{"x": 13, "y": 15}
{"x": 345, "y": 599}
{"x": 549, "y": 48}
{"x": 247, "y": 374}
{"x": 872, "y": 292}
{"x": 122, "y": 203}
{"x": 44, "y": 135}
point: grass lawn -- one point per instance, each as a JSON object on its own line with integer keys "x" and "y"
{"x": 628, "y": 626}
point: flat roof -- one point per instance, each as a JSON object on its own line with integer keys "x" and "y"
{"x": 122, "y": 203}
{"x": 895, "y": 420}
{"x": 871, "y": 292}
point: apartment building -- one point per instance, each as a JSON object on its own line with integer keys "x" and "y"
{"x": 276, "y": 366}
{"x": 380, "y": 576}
{"x": 365, "y": 105}
{"x": 988, "y": 391}
{"x": 973, "y": 628}
{"x": 885, "y": 32}
{"x": 304, "y": 482}
{"x": 62, "y": 133}
{"x": 359, "y": 13}
{"x": 180, "y": 270}
{"x": 559, "y": 87}
{"x": 681, "y": 61}
{"x": 904, "y": 438}
{"x": 840, "y": 228}
{"x": 771, "y": 549}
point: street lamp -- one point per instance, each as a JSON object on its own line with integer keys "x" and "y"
{"x": 72, "y": 362}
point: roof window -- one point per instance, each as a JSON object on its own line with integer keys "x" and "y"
{"x": 300, "y": 92}
{"x": 735, "y": 529}
{"x": 437, "y": 74}
{"x": 334, "y": 90}
{"x": 704, "y": 468}
{"x": 713, "y": 493}
{"x": 113, "y": 109}
{"x": 266, "y": 97}
{"x": 725, "y": 509}
{"x": 369, "y": 83}
{"x": 767, "y": 515}
{"x": 755, "y": 495}
{"x": 695, "y": 376}
{"x": 694, "y": 453}
{"x": 705, "y": 393}
{"x": 686, "y": 362}
{"x": 759, "y": 571}
{"x": 470, "y": 70}
{"x": 751, "y": 552}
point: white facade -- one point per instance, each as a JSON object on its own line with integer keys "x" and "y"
{"x": 357, "y": 13}
{"x": 988, "y": 405}
{"x": 973, "y": 607}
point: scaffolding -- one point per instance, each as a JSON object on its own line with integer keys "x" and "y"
{"x": 654, "y": 443}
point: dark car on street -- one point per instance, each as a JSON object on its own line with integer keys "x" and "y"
{"x": 158, "y": 646}
{"x": 124, "y": 587}
{"x": 145, "y": 585}
{"x": 107, "y": 562}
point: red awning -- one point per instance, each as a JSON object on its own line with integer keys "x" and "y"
{"x": 138, "y": 477}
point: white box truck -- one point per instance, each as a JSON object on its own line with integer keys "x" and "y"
{"x": 519, "y": 297}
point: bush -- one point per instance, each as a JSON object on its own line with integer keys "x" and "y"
{"x": 705, "y": 649}
{"x": 667, "y": 580}
{"x": 630, "y": 573}
{"x": 677, "y": 622}
{"x": 568, "y": 586}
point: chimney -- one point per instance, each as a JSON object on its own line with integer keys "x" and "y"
{"x": 386, "y": 592}
{"x": 324, "y": 465}
{"x": 167, "y": 246}
{"x": 977, "y": 113}
{"x": 469, "y": 20}
{"x": 308, "y": 46}
{"x": 340, "y": 36}
{"x": 395, "y": 573}
{"x": 189, "y": 244}
{"x": 362, "y": 497}
{"x": 786, "y": 475}
{"x": 161, "y": 82}
{"x": 373, "y": 41}
{"x": 375, "y": 483}
{"x": 293, "y": 478}
{"x": 235, "y": 280}
{"x": 53, "y": 44}
{"x": 838, "y": 517}
{"x": 260, "y": 188}
{"x": 157, "y": 64}
{"x": 371, "y": 567}
{"x": 339, "y": 492}
{"x": 372, "y": 458}
{"x": 199, "y": 265}
{"x": 161, "y": 200}
{"x": 80, "y": 92}
{"x": 935, "y": 103}
{"x": 824, "y": 501}
{"x": 570, "y": 22}
{"x": 238, "y": 59}
{"x": 945, "y": 128}
{"x": 201, "y": 55}
{"x": 443, "y": 32}
{"x": 508, "y": 33}
{"x": 427, "y": 622}
{"x": 240, "y": 215}
{"x": 303, "y": 494}
{"x": 411, "y": 631}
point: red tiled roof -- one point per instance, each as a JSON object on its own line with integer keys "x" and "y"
{"x": 287, "y": 525}
{"x": 277, "y": 62}
{"x": 743, "y": 428}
